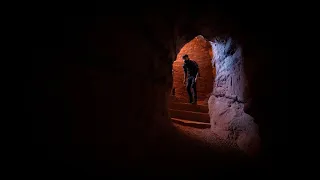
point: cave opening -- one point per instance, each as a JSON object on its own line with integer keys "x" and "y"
{"x": 185, "y": 116}
{"x": 221, "y": 89}
{"x": 199, "y": 50}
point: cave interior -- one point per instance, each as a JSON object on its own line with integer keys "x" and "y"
{"x": 100, "y": 90}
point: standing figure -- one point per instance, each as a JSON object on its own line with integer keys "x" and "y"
{"x": 191, "y": 72}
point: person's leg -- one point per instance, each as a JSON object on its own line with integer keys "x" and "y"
{"x": 189, "y": 84}
{"x": 194, "y": 87}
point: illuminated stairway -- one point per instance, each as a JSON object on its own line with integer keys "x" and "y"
{"x": 189, "y": 114}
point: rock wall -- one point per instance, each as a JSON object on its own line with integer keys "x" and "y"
{"x": 199, "y": 50}
{"x": 103, "y": 96}
{"x": 226, "y": 103}
{"x": 98, "y": 87}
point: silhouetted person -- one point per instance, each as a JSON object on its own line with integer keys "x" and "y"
{"x": 191, "y": 72}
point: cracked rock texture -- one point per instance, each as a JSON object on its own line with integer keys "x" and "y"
{"x": 226, "y": 102}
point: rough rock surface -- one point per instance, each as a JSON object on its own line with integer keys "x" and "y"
{"x": 226, "y": 103}
{"x": 98, "y": 87}
{"x": 199, "y": 50}
{"x": 208, "y": 137}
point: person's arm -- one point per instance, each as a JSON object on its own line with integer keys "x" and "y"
{"x": 196, "y": 76}
{"x": 184, "y": 74}
{"x": 198, "y": 72}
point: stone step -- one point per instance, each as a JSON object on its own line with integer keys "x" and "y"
{"x": 194, "y": 124}
{"x": 189, "y": 115}
{"x": 189, "y": 107}
{"x": 173, "y": 99}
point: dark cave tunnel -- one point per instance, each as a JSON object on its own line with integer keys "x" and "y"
{"x": 100, "y": 85}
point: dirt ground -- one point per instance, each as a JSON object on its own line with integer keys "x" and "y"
{"x": 208, "y": 137}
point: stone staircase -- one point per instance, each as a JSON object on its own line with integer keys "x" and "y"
{"x": 189, "y": 114}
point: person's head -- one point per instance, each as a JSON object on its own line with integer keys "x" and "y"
{"x": 185, "y": 57}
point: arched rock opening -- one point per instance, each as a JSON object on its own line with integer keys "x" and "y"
{"x": 199, "y": 50}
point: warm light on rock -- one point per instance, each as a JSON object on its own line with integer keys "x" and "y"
{"x": 199, "y": 50}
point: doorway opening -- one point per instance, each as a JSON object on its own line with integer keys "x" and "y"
{"x": 200, "y": 51}
{"x": 181, "y": 111}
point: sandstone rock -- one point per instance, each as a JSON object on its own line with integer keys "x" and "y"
{"x": 226, "y": 104}
{"x": 199, "y": 50}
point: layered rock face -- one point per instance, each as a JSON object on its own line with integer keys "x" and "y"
{"x": 226, "y": 103}
{"x": 199, "y": 50}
